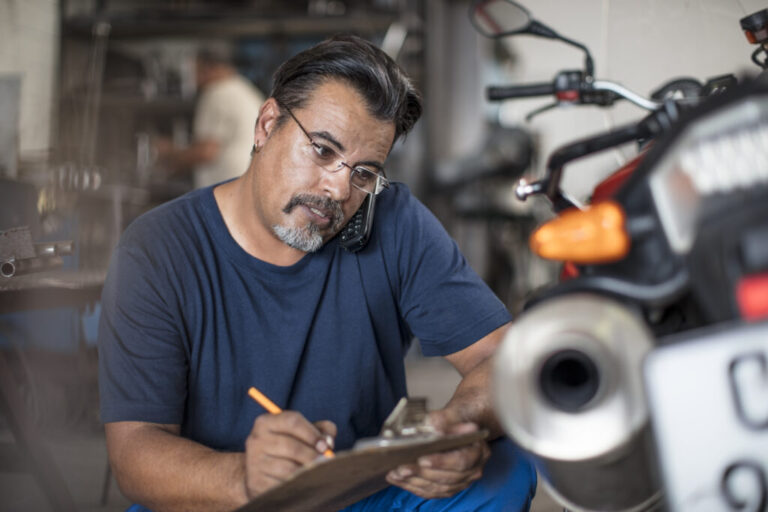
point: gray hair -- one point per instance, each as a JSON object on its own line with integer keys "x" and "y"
{"x": 388, "y": 92}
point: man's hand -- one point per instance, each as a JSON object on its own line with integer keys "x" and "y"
{"x": 443, "y": 474}
{"x": 279, "y": 445}
{"x": 177, "y": 159}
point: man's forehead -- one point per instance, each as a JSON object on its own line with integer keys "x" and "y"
{"x": 338, "y": 98}
{"x": 334, "y": 92}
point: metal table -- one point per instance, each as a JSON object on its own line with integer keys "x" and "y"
{"x": 30, "y": 453}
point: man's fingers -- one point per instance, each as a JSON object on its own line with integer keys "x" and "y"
{"x": 444, "y": 420}
{"x": 288, "y": 447}
{"x": 446, "y": 477}
{"x": 279, "y": 445}
{"x": 462, "y": 459}
{"x": 286, "y": 435}
{"x": 326, "y": 427}
{"x": 431, "y": 489}
{"x": 280, "y": 469}
{"x": 460, "y": 428}
{"x": 328, "y": 430}
{"x": 442, "y": 474}
{"x": 275, "y": 468}
{"x": 294, "y": 424}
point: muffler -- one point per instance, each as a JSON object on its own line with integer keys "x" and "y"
{"x": 568, "y": 389}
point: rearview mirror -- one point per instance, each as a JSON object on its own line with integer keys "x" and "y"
{"x": 498, "y": 18}
{"x": 495, "y": 18}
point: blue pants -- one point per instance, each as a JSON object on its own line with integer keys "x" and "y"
{"x": 508, "y": 484}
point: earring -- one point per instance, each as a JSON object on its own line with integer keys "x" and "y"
{"x": 256, "y": 148}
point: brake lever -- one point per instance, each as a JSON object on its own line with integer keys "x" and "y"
{"x": 575, "y": 88}
{"x": 560, "y": 199}
{"x": 540, "y": 110}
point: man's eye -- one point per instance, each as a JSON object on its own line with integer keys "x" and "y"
{"x": 323, "y": 152}
{"x": 363, "y": 174}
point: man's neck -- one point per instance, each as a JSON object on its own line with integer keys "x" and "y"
{"x": 217, "y": 75}
{"x": 236, "y": 204}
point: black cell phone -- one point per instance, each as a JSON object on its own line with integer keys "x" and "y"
{"x": 354, "y": 235}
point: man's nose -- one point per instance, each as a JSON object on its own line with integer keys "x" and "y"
{"x": 336, "y": 184}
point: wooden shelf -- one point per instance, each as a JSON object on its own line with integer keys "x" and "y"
{"x": 117, "y": 100}
{"x": 237, "y": 24}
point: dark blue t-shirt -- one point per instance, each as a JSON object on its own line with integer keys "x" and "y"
{"x": 190, "y": 321}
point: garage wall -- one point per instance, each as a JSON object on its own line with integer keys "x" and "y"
{"x": 29, "y": 48}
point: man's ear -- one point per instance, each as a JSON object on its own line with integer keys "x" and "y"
{"x": 268, "y": 116}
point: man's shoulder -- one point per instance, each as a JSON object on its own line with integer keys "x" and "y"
{"x": 399, "y": 209}
{"x": 395, "y": 198}
{"x": 166, "y": 221}
{"x": 402, "y": 222}
{"x": 232, "y": 90}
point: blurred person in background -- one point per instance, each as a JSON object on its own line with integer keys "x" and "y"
{"x": 224, "y": 121}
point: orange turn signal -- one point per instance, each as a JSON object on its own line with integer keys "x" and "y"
{"x": 593, "y": 235}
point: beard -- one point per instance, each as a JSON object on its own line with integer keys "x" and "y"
{"x": 309, "y": 238}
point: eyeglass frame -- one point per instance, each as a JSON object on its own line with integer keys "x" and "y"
{"x": 382, "y": 182}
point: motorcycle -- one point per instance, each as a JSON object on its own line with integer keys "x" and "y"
{"x": 639, "y": 381}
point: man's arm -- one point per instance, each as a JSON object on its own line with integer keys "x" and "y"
{"x": 163, "y": 471}
{"x": 181, "y": 160}
{"x": 471, "y": 402}
{"x": 156, "y": 467}
{"x": 444, "y": 474}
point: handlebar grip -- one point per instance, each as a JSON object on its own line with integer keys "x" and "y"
{"x": 503, "y": 92}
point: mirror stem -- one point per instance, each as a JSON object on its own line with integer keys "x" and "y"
{"x": 589, "y": 65}
{"x": 544, "y": 31}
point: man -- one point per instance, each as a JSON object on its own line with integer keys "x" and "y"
{"x": 223, "y": 125}
{"x": 247, "y": 284}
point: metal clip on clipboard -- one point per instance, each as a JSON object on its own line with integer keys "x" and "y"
{"x": 406, "y": 424}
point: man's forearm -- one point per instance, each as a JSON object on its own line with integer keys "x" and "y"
{"x": 472, "y": 400}
{"x": 187, "y": 158}
{"x": 164, "y": 472}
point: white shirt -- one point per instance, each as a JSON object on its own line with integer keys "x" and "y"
{"x": 226, "y": 113}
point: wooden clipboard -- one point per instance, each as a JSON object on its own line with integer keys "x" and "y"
{"x": 332, "y": 484}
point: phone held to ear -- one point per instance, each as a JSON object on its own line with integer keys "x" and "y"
{"x": 354, "y": 235}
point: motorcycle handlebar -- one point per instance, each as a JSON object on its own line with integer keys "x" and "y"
{"x": 503, "y": 92}
{"x": 588, "y": 92}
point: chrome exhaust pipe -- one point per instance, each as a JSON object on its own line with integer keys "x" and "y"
{"x": 568, "y": 389}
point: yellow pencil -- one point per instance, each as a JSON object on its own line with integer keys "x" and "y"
{"x": 272, "y": 408}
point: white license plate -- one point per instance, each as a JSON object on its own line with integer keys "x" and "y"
{"x": 708, "y": 398}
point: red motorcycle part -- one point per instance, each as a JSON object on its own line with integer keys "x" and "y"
{"x": 752, "y": 296}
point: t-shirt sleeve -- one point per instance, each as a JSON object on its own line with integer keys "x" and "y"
{"x": 446, "y": 305}
{"x": 142, "y": 359}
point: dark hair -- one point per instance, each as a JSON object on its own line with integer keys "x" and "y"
{"x": 387, "y": 91}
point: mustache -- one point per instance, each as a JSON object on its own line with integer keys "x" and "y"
{"x": 324, "y": 204}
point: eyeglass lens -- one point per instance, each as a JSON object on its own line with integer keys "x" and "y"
{"x": 361, "y": 177}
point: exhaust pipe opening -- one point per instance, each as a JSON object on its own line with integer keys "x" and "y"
{"x": 7, "y": 269}
{"x": 569, "y": 380}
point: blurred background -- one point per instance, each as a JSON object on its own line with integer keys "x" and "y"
{"x": 88, "y": 87}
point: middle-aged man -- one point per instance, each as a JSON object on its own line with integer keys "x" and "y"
{"x": 247, "y": 284}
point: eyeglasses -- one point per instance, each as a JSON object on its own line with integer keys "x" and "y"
{"x": 361, "y": 177}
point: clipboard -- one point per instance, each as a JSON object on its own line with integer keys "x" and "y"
{"x": 332, "y": 484}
